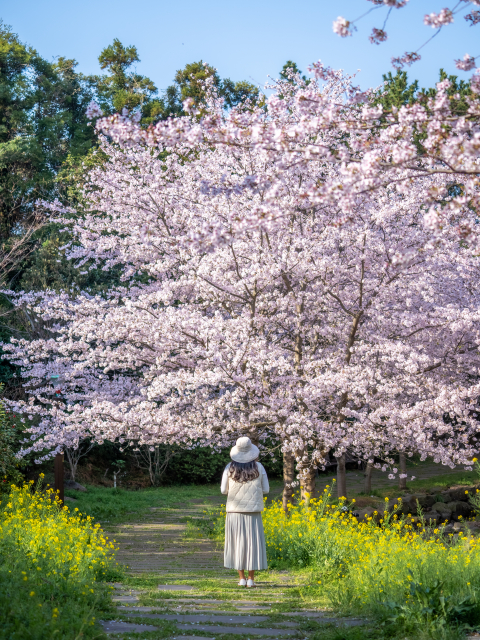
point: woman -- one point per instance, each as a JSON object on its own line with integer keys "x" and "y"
{"x": 245, "y": 481}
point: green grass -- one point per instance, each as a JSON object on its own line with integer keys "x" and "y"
{"x": 443, "y": 482}
{"x": 123, "y": 505}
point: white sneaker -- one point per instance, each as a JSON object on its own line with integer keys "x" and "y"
{"x": 242, "y": 583}
{"x": 250, "y": 583}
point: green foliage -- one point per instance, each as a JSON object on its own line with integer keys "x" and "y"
{"x": 203, "y": 465}
{"x": 42, "y": 119}
{"x": 428, "y": 605}
{"x": 123, "y": 87}
{"x": 292, "y": 66}
{"x": 190, "y": 81}
{"x": 73, "y": 174}
{"x": 9, "y": 464}
{"x": 457, "y": 92}
{"x": 48, "y": 268}
{"x": 197, "y": 466}
{"x": 397, "y": 91}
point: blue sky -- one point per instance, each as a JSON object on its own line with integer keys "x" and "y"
{"x": 244, "y": 40}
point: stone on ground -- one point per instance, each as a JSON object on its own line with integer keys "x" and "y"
{"x": 113, "y": 626}
{"x": 201, "y": 617}
{"x": 175, "y": 587}
{"x": 125, "y": 599}
{"x": 244, "y": 631}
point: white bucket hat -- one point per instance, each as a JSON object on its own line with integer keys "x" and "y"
{"x": 244, "y": 450}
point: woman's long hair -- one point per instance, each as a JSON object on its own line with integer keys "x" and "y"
{"x": 243, "y": 471}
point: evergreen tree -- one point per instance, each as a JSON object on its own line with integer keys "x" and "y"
{"x": 42, "y": 119}
{"x": 398, "y": 91}
{"x": 123, "y": 87}
{"x": 190, "y": 82}
{"x": 292, "y": 67}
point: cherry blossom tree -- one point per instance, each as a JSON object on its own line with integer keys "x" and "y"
{"x": 360, "y": 147}
{"x": 258, "y": 299}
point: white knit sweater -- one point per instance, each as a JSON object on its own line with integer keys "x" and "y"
{"x": 245, "y": 497}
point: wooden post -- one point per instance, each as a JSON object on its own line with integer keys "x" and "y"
{"x": 59, "y": 477}
{"x": 341, "y": 476}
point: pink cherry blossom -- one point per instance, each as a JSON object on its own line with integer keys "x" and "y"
{"x": 435, "y": 20}
{"x": 396, "y": 4}
{"x": 93, "y": 111}
{"x": 299, "y": 271}
{"x": 473, "y": 17}
{"x": 274, "y": 282}
{"x": 377, "y": 36}
{"x": 466, "y": 64}
{"x": 438, "y": 20}
{"x": 408, "y": 58}
{"x": 340, "y": 27}
{"x": 475, "y": 81}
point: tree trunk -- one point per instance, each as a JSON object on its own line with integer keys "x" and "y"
{"x": 402, "y": 482}
{"x": 308, "y": 484}
{"x": 341, "y": 477}
{"x": 288, "y": 478}
{"x": 72, "y": 459}
{"x": 151, "y": 465}
{"x": 368, "y": 478}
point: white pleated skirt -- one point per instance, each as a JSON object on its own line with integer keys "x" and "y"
{"x": 245, "y": 546}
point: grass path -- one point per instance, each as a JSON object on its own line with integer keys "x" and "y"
{"x": 176, "y": 587}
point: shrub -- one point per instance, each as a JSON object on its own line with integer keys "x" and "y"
{"x": 9, "y": 463}
{"x": 51, "y": 565}
{"x": 197, "y": 466}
